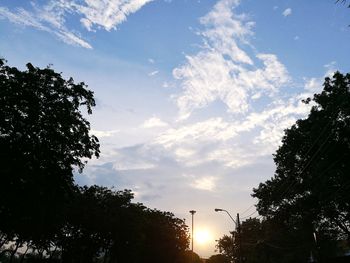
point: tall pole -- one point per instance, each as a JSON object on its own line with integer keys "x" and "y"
{"x": 192, "y": 213}
{"x": 238, "y": 229}
{"x": 239, "y": 239}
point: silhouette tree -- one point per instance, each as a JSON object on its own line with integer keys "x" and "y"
{"x": 189, "y": 257}
{"x": 105, "y": 225}
{"x": 310, "y": 188}
{"x": 225, "y": 245}
{"x": 43, "y": 137}
{"x": 269, "y": 240}
{"x": 219, "y": 258}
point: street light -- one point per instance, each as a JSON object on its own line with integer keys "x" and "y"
{"x": 238, "y": 229}
{"x": 223, "y": 210}
{"x": 192, "y": 213}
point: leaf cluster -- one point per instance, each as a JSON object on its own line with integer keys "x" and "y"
{"x": 310, "y": 188}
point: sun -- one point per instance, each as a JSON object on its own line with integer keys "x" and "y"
{"x": 202, "y": 236}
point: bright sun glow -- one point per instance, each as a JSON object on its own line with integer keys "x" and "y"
{"x": 202, "y": 237}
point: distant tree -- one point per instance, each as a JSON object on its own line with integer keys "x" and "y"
{"x": 251, "y": 236}
{"x": 310, "y": 188}
{"x": 94, "y": 221}
{"x": 189, "y": 257}
{"x": 219, "y": 258}
{"x": 165, "y": 236}
{"x": 265, "y": 241}
{"x": 246, "y": 244}
{"x": 105, "y": 225}
{"x": 225, "y": 246}
{"x": 43, "y": 137}
{"x": 280, "y": 242}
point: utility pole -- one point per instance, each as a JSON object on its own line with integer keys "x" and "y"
{"x": 239, "y": 239}
{"x": 192, "y": 213}
{"x": 238, "y": 230}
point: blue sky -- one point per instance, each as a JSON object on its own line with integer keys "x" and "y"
{"x": 192, "y": 95}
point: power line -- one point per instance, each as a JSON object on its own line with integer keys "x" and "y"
{"x": 293, "y": 184}
{"x": 249, "y": 208}
{"x": 249, "y": 215}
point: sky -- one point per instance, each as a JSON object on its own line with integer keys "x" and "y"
{"x": 192, "y": 96}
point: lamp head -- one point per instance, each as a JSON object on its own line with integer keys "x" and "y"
{"x": 218, "y": 209}
{"x": 192, "y": 212}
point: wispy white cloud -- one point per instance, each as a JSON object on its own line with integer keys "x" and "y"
{"x": 213, "y": 129}
{"x": 287, "y": 12}
{"x": 52, "y": 16}
{"x": 165, "y": 84}
{"x": 123, "y": 165}
{"x": 106, "y": 14}
{"x": 41, "y": 19}
{"x": 213, "y": 143}
{"x": 313, "y": 84}
{"x": 22, "y": 17}
{"x": 154, "y": 122}
{"x": 216, "y": 72}
{"x": 241, "y": 136}
{"x": 223, "y": 70}
{"x": 251, "y": 86}
{"x": 153, "y": 73}
{"x": 232, "y": 143}
{"x": 101, "y": 134}
{"x": 73, "y": 39}
{"x": 207, "y": 183}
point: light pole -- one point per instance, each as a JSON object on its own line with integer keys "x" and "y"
{"x": 192, "y": 213}
{"x": 223, "y": 210}
{"x": 238, "y": 230}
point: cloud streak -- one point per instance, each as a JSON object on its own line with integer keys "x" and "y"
{"x": 52, "y": 17}
{"x": 287, "y": 12}
{"x": 106, "y": 14}
{"x": 41, "y": 19}
{"x": 154, "y": 122}
{"x": 223, "y": 70}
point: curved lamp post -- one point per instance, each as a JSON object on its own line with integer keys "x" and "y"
{"x": 237, "y": 227}
{"x": 223, "y": 210}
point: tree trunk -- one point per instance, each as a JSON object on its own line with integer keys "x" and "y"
{"x": 104, "y": 256}
{"x": 14, "y": 251}
{"x": 53, "y": 253}
{"x": 24, "y": 254}
{"x": 3, "y": 240}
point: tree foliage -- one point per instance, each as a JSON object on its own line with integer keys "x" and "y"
{"x": 105, "y": 224}
{"x": 310, "y": 188}
{"x": 270, "y": 240}
{"x": 44, "y": 216}
{"x": 43, "y": 136}
{"x": 219, "y": 258}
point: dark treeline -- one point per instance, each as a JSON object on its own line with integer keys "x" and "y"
{"x": 304, "y": 209}
{"x": 101, "y": 225}
{"x": 44, "y": 216}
